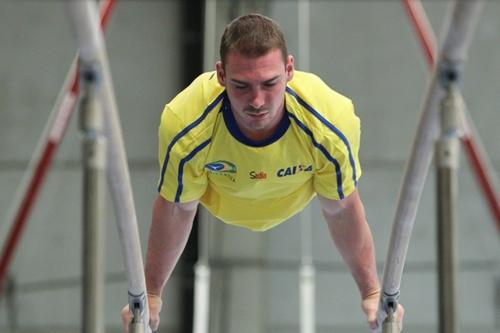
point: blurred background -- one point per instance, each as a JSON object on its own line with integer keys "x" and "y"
{"x": 366, "y": 50}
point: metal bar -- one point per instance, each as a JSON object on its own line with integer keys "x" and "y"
{"x": 471, "y": 141}
{"x": 202, "y": 271}
{"x": 137, "y": 324}
{"x": 38, "y": 167}
{"x": 210, "y": 35}
{"x": 304, "y": 36}
{"x": 447, "y": 159}
{"x": 201, "y": 320}
{"x": 307, "y": 272}
{"x": 94, "y": 198}
{"x": 461, "y": 26}
{"x": 307, "y": 298}
{"x": 390, "y": 323}
{"x": 307, "y": 275}
{"x": 92, "y": 50}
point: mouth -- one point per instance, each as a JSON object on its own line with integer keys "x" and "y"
{"x": 257, "y": 115}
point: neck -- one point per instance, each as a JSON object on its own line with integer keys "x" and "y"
{"x": 258, "y": 135}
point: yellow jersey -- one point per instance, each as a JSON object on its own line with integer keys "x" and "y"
{"x": 203, "y": 154}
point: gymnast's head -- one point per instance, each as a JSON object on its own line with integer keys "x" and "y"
{"x": 252, "y": 35}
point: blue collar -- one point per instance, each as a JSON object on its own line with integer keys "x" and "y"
{"x": 235, "y": 131}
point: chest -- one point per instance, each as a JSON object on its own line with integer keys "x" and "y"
{"x": 284, "y": 164}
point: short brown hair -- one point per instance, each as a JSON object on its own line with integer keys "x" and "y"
{"x": 252, "y": 35}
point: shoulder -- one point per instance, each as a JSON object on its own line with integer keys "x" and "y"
{"x": 314, "y": 92}
{"x": 196, "y": 97}
{"x": 325, "y": 111}
{"x": 194, "y": 107}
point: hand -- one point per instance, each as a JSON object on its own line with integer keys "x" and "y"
{"x": 370, "y": 307}
{"x": 154, "y": 304}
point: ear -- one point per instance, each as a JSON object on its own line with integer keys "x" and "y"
{"x": 221, "y": 77}
{"x": 289, "y": 68}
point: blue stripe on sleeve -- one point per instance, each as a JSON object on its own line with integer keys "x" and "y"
{"x": 325, "y": 152}
{"x": 184, "y": 132}
{"x": 330, "y": 126}
{"x": 180, "y": 184}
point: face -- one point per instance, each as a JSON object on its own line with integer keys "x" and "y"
{"x": 256, "y": 90}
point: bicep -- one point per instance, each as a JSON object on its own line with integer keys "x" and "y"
{"x": 164, "y": 207}
{"x": 332, "y": 207}
{"x": 345, "y": 218}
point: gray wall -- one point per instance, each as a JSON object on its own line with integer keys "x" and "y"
{"x": 364, "y": 49}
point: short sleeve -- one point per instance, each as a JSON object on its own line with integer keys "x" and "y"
{"x": 337, "y": 162}
{"x": 181, "y": 158}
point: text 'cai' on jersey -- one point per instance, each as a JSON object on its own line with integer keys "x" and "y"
{"x": 258, "y": 184}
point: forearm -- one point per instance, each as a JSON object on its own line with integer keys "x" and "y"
{"x": 359, "y": 256}
{"x": 170, "y": 228}
{"x": 352, "y": 236}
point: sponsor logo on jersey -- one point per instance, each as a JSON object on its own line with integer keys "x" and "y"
{"x": 293, "y": 170}
{"x": 258, "y": 175}
{"x": 222, "y": 168}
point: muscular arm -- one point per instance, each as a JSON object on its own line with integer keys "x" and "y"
{"x": 170, "y": 228}
{"x": 351, "y": 234}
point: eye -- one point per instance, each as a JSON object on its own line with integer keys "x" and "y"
{"x": 270, "y": 84}
{"x": 240, "y": 86}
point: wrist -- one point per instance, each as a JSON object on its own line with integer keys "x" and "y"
{"x": 375, "y": 292}
{"x": 154, "y": 298}
{"x": 155, "y": 302}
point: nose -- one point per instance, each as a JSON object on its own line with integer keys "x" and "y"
{"x": 257, "y": 98}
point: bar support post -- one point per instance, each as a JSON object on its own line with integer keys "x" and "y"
{"x": 94, "y": 200}
{"x": 447, "y": 160}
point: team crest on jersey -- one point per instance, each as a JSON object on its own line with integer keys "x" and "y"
{"x": 223, "y": 168}
{"x": 292, "y": 170}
